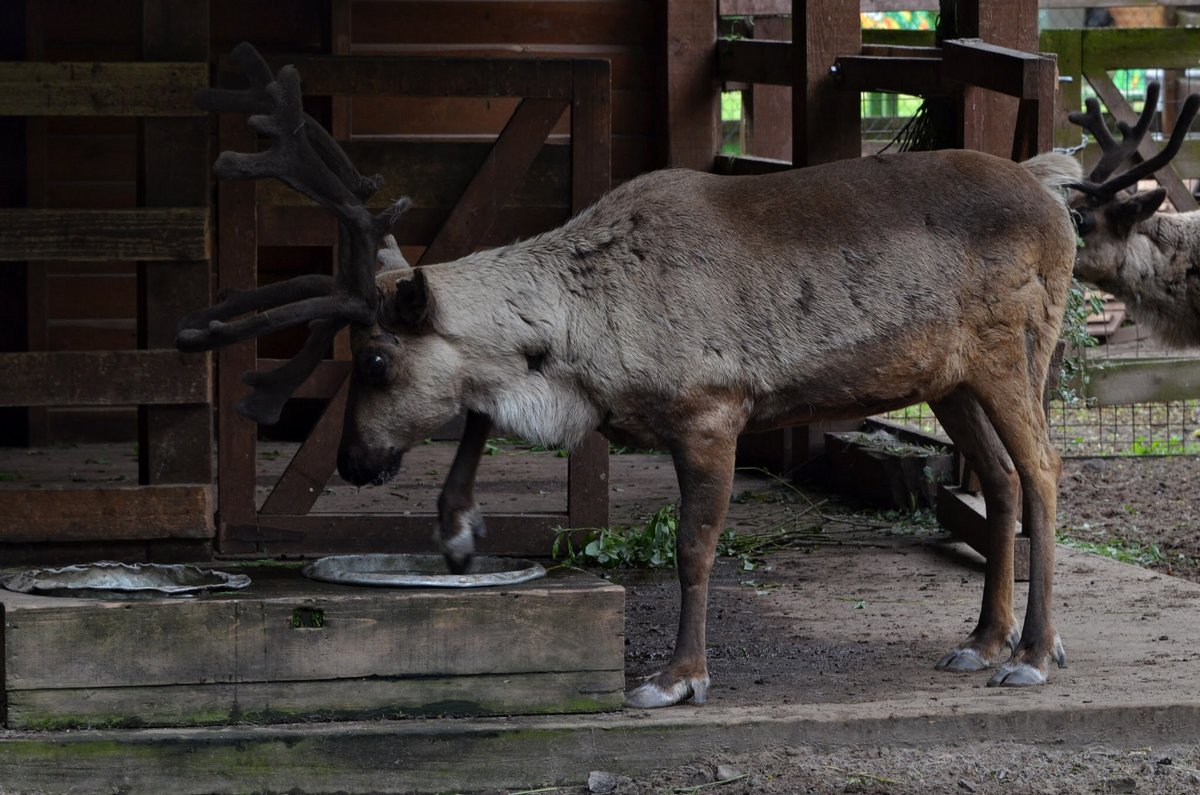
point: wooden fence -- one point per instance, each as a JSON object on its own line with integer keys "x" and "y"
{"x": 253, "y": 215}
{"x": 168, "y": 236}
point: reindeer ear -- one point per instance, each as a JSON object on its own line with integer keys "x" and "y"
{"x": 410, "y": 306}
{"x": 1124, "y": 214}
{"x": 390, "y": 257}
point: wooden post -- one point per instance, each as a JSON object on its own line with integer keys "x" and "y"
{"x": 693, "y": 121}
{"x": 174, "y": 442}
{"x": 825, "y": 119}
{"x": 989, "y": 118}
{"x": 768, "y": 109}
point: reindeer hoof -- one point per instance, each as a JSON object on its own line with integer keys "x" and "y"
{"x": 1019, "y": 672}
{"x": 1017, "y": 675}
{"x": 650, "y": 694}
{"x": 963, "y": 661}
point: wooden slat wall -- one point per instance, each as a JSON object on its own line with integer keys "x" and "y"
{"x": 621, "y": 31}
{"x": 116, "y": 197}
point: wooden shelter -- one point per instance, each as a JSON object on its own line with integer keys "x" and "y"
{"x": 499, "y": 118}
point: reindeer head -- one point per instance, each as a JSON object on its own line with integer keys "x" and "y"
{"x": 404, "y": 376}
{"x": 1107, "y": 219}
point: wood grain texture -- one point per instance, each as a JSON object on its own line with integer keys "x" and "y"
{"x": 558, "y": 624}
{"x": 110, "y": 514}
{"x": 151, "y": 234}
{"x": 324, "y": 700}
{"x": 103, "y": 378}
{"x": 32, "y": 88}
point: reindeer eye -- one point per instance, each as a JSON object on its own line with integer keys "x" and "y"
{"x": 373, "y": 368}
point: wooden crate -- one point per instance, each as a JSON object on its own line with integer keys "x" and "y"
{"x": 290, "y": 649}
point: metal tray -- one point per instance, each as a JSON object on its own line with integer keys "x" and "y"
{"x": 420, "y": 571}
{"x": 107, "y": 579}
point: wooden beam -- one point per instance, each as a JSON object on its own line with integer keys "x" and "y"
{"x": 1144, "y": 381}
{"x": 368, "y": 76}
{"x": 1001, "y": 69}
{"x": 36, "y": 88}
{"x": 921, "y": 75}
{"x": 756, "y": 61}
{"x": 1137, "y": 48}
{"x": 174, "y": 442}
{"x": 119, "y": 513}
{"x": 509, "y": 159}
{"x": 825, "y": 119}
{"x": 304, "y": 479}
{"x": 149, "y": 234}
{"x": 964, "y": 515}
{"x": 693, "y": 117}
{"x": 103, "y": 378}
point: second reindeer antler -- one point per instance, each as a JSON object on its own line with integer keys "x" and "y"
{"x": 1100, "y": 186}
{"x": 303, "y": 155}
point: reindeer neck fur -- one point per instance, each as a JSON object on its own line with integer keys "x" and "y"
{"x": 1160, "y": 276}
{"x": 512, "y": 339}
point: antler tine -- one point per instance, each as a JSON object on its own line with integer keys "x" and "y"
{"x": 304, "y": 156}
{"x": 272, "y": 389}
{"x": 1115, "y": 153}
{"x": 1099, "y": 194}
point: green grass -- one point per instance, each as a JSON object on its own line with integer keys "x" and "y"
{"x": 1117, "y": 549}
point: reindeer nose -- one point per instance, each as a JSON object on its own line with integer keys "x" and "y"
{"x": 359, "y": 465}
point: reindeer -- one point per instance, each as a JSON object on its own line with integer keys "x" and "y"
{"x": 1150, "y": 260}
{"x": 682, "y": 309}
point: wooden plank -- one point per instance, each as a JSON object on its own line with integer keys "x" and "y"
{"x": 507, "y": 162}
{"x": 366, "y": 76}
{"x": 692, "y": 126}
{"x": 591, "y": 169}
{"x": 992, "y": 67}
{"x": 755, "y": 61}
{"x": 34, "y": 88}
{"x": 1138, "y": 48}
{"x": 1067, "y": 45}
{"x": 314, "y": 226}
{"x": 965, "y": 515}
{"x": 143, "y": 234}
{"x": 435, "y": 174}
{"x": 313, "y": 464}
{"x": 726, "y": 164}
{"x": 1121, "y": 382}
{"x": 825, "y": 119}
{"x": 921, "y": 75}
{"x": 329, "y": 533}
{"x": 237, "y": 258}
{"x": 118, "y": 513}
{"x": 595, "y": 22}
{"x": 766, "y": 109}
{"x": 174, "y": 442}
{"x": 562, "y": 692}
{"x": 102, "y": 378}
{"x": 573, "y": 622}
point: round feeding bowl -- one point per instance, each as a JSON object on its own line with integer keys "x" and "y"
{"x": 109, "y": 580}
{"x": 420, "y": 571}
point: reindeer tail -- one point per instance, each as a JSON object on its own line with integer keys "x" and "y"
{"x": 1056, "y": 171}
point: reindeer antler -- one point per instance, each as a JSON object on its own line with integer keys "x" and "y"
{"x": 303, "y": 155}
{"x": 1100, "y": 186}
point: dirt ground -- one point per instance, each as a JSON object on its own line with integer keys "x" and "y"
{"x": 1143, "y": 508}
{"x": 1133, "y": 505}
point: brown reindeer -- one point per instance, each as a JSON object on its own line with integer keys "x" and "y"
{"x": 1150, "y": 260}
{"x": 685, "y": 308}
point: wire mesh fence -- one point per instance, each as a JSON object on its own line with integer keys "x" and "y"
{"x": 1080, "y": 431}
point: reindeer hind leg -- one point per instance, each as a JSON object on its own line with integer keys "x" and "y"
{"x": 996, "y": 635}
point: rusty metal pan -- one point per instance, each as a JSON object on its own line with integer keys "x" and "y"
{"x": 420, "y": 571}
{"x": 107, "y": 579}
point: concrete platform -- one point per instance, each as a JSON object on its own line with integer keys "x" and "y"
{"x": 829, "y": 647}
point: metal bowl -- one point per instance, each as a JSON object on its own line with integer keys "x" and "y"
{"x": 107, "y": 579}
{"x": 420, "y": 571}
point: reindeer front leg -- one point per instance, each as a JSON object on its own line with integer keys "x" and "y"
{"x": 704, "y": 465}
{"x": 459, "y": 519}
